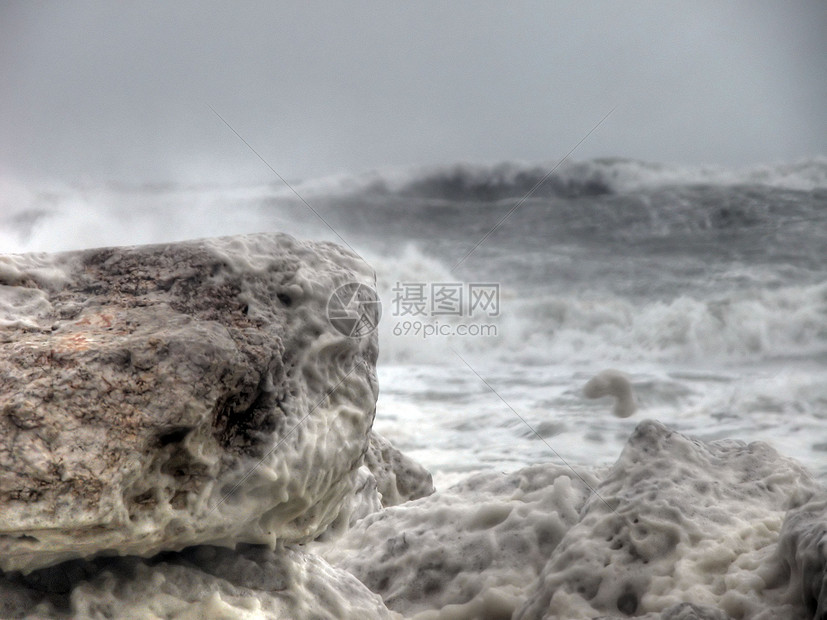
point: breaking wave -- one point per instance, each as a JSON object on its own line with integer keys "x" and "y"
{"x": 470, "y": 182}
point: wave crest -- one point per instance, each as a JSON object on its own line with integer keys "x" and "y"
{"x": 571, "y": 179}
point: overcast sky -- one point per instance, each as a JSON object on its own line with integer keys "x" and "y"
{"x": 98, "y": 91}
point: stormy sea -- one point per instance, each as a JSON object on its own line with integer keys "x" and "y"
{"x": 505, "y": 288}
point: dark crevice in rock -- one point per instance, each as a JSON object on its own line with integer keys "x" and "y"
{"x": 174, "y": 435}
{"x": 243, "y": 427}
{"x": 145, "y": 501}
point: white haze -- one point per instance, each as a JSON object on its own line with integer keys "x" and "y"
{"x": 94, "y": 91}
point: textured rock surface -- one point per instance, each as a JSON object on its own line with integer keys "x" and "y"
{"x": 468, "y": 551}
{"x": 677, "y": 529}
{"x": 399, "y": 478}
{"x": 803, "y": 553}
{"x": 198, "y": 583}
{"x": 388, "y": 478}
{"x": 364, "y": 500}
{"x": 677, "y": 520}
{"x": 157, "y": 397}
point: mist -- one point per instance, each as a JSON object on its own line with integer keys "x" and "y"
{"x": 94, "y": 91}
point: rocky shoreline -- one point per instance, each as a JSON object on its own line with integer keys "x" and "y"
{"x": 186, "y": 435}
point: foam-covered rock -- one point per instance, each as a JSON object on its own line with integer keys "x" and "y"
{"x": 677, "y": 520}
{"x": 677, "y": 529}
{"x": 398, "y": 477}
{"x": 469, "y": 551}
{"x": 802, "y": 550}
{"x": 157, "y": 397}
{"x": 200, "y": 582}
{"x": 617, "y": 385}
{"x": 364, "y": 500}
{"x": 387, "y": 478}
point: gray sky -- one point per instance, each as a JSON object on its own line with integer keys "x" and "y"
{"x": 97, "y": 91}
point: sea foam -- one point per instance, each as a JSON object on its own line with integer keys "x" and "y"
{"x": 676, "y": 522}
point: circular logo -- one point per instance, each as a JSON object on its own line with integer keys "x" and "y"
{"x": 354, "y": 309}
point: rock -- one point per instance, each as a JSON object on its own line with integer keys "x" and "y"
{"x": 677, "y": 529}
{"x": 617, "y": 385}
{"x": 471, "y": 549}
{"x": 399, "y": 478}
{"x": 200, "y": 582}
{"x": 364, "y": 500}
{"x": 677, "y": 520}
{"x": 802, "y": 549}
{"x": 158, "y": 397}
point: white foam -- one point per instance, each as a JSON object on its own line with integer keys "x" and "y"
{"x": 469, "y": 550}
{"x": 678, "y": 520}
{"x": 675, "y": 520}
{"x": 736, "y": 326}
{"x": 581, "y": 327}
{"x": 24, "y": 284}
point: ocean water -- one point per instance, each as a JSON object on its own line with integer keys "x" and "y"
{"x": 707, "y": 286}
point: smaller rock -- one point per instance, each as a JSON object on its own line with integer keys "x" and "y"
{"x": 364, "y": 500}
{"x": 617, "y": 385}
{"x": 399, "y": 478}
{"x": 676, "y": 519}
